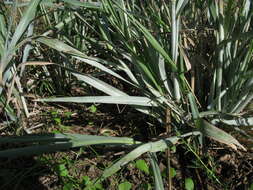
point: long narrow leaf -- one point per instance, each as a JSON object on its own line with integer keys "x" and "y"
{"x": 101, "y": 67}
{"x": 128, "y": 100}
{"x": 148, "y": 147}
{"x": 100, "y": 85}
{"x": 219, "y": 135}
{"x": 24, "y": 22}
{"x": 88, "y": 5}
{"x": 247, "y": 121}
{"x": 59, "y": 45}
{"x": 57, "y": 142}
{"x": 156, "y": 171}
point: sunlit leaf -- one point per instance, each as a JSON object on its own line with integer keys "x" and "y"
{"x": 142, "y": 165}
{"x": 125, "y": 186}
{"x": 189, "y": 184}
{"x": 219, "y": 135}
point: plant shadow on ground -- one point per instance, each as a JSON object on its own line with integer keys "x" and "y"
{"x": 23, "y": 173}
{"x": 41, "y": 171}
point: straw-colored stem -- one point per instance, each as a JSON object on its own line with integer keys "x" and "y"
{"x": 168, "y": 155}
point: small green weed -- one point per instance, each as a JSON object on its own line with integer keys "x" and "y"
{"x": 189, "y": 184}
{"x": 92, "y": 108}
{"x": 59, "y": 119}
{"x": 125, "y": 186}
{"x": 142, "y": 165}
{"x": 89, "y": 184}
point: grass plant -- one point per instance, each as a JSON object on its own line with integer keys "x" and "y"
{"x": 193, "y": 86}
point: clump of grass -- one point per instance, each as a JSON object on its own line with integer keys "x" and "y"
{"x": 146, "y": 46}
